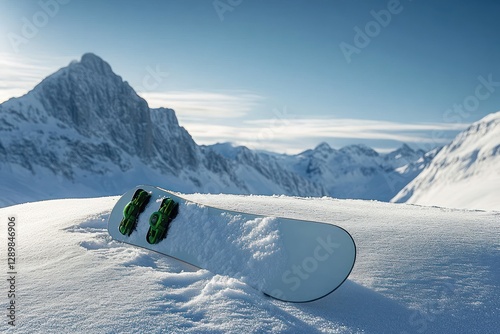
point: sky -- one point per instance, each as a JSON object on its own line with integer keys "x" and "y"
{"x": 276, "y": 75}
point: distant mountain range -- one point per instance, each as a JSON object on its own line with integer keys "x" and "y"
{"x": 355, "y": 171}
{"x": 83, "y": 131}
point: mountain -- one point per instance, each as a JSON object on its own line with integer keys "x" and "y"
{"x": 464, "y": 174}
{"x": 354, "y": 171}
{"x": 83, "y": 131}
{"x": 357, "y": 171}
{"x": 257, "y": 168}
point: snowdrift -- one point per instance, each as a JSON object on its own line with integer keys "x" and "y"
{"x": 418, "y": 270}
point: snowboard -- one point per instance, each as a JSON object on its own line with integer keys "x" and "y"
{"x": 287, "y": 259}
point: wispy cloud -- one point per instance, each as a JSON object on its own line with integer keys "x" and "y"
{"x": 199, "y": 105}
{"x": 294, "y": 135}
{"x": 212, "y": 117}
{"x": 358, "y": 129}
{"x": 19, "y": 74}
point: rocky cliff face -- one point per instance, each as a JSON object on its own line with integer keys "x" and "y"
{"x": 88, "y": 97}
{"x": 84, "y": 117}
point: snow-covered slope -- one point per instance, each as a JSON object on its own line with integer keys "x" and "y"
{"x": 418, "y": 270}
{"x": 464, "y": 174}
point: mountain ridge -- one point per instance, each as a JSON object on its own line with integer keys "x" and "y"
{"x": 464, "y": 174}
{"x": 84, "y": 131}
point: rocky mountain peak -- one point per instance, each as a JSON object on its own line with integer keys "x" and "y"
{"x": 324, "y": 146}
{"x": 90, "y": 98}
{"x": 405, "y": 148}
{"x": 359, "y": 149}
{"x": 96, "y": 64}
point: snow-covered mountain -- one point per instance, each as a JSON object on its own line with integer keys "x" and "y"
{"x": 354, "y": 171}
{"x": 464, "y": 174}
{"x": 357, "y": 171}
{"x": 257, "y": 167}
{"x": 83, "y": 131}
{"x": 421, "y": 271}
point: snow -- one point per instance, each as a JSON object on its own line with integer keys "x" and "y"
{"x": 464, "y": 174}
{"x": 418, "y": 270}
{"x": 246, "y": 247}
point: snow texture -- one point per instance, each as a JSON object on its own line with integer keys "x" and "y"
{"x": 418, "y": 270}
{"x": 237, "y": 250}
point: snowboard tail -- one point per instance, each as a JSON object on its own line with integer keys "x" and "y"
{"x": 287, "y": 259}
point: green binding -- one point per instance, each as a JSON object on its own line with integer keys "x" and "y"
{"x": 132, "y": 211}
{"x": 159, "y": 221}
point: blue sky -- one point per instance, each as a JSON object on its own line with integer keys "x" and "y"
{"x": 277, "y": 75}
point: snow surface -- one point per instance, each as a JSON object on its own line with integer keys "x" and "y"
{"x": 418, "y": 270}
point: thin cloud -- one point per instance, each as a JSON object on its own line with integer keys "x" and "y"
{"x": 288, "y": 134}
{"x": 356, "y": 129}
{"x": 19, "y": 74}
{"x": 197, "y": 105}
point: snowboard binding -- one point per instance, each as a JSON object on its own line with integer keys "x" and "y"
{"x": 132, "y": 211}
{"x": 159, "y": 221}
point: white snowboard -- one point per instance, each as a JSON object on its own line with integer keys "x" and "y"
{"x": 290, "y": 260}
